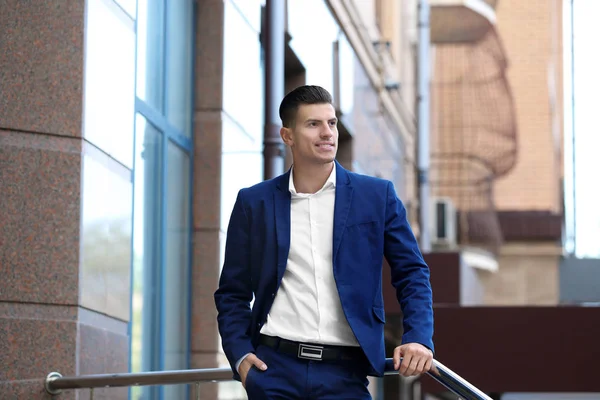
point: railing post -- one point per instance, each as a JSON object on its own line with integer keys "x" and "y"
{"x": 197, "y": 390}
{"x": 51, "y": 377}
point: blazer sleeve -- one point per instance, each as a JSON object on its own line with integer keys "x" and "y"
{"x": 410, "y": 273}
{"x": 234, "y": 293}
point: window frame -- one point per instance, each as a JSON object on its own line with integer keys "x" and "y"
{"x": 168, "y": 134}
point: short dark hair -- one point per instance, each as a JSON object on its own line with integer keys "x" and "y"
{"x": 307, "y": 94}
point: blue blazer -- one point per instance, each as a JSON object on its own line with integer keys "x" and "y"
{"x": 369, "y": 223}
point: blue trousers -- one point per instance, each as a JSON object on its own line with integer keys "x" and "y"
{"x": 290, "y": 378}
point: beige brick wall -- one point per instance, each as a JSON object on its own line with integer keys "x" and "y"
{"x": 532, "y": 35}
{"x": 531, "y": 32}
{"x": 528, "y": 275}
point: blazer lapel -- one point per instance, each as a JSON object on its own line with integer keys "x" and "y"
{"x": 282, "y": 200}
{"x": 343, "y": 201}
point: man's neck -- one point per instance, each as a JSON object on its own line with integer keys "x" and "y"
{"x": 311, "y": 178}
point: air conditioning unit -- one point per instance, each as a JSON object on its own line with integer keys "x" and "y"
{"x": 442, "y": 223}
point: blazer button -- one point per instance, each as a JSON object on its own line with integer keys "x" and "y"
{"x": 272, "y": 295}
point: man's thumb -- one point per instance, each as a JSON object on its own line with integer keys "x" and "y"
{"x": 259, "y": 364}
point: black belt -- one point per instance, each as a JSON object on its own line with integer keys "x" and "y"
{"x": 309, "y": 351}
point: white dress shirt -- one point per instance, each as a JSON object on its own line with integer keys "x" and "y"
{"x": 307, "y": 306}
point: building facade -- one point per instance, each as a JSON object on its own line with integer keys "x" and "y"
{"x": 126, "y": 129}
{"x": 497, "y": 132}
{"x": 529, "y": 198}
{"x": 497, "y": 157}
{"x": 97, "y": 156}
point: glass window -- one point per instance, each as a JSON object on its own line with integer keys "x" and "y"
{"x": 145, "y": 316}
{"x": 176, "y": 275}
{"x": 105, "y": 235}
{"x": 150, "y": 53}
{"x": 129, "y": 6}
{"x": 251, "y": 10}
{"x": 243, "y": 73}
{"x": 109, "y": 80}
{"x": 346, "y": 61}
{"x": 162, "y": 207}
{"x": 179, "y": 88}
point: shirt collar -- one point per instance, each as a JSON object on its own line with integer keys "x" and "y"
{"x": 331, "y": 181}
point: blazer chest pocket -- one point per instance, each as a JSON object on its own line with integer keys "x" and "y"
{"x": 362, "y": 231}
{"x": 363, "y": 226}
{"x": 362, "y": 243}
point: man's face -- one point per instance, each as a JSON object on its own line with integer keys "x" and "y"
{"x": 314, "y": 137}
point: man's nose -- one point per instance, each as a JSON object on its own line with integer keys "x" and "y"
{"x": 326, "y": 132}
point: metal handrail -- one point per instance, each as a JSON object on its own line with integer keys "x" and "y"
{"x": 448, "y": 378}
{"x": 55, "y": 382}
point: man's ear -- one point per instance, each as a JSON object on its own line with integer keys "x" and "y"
{"x": 286, "y": 136}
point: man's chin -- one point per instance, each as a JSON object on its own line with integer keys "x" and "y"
{"x": 315, "y": 161}
{"x": 325, "y": 159}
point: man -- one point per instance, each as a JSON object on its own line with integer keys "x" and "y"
{"x": 309, "y": 246}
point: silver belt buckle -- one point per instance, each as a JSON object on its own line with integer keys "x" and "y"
{"x": 309, "y": 352}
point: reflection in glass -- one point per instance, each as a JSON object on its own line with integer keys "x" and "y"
{"x": 179, "y": 63}
{"x": 243, "y": 73}
{"x": 150, "y": 53}
{"x": 106, "y": 236}
{"x": 129, "y": 6}
{"x": 251, "y": 10}
{"x": 109, "y": 80}
{"x": 145, "y": 322}
{"x": 347, "y": 60}
{"x": 176, "y": 275}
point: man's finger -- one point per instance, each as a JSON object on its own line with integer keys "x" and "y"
{"x": 428, "y": 364}
{"x": 259, "y": 363}
{"x": 421, "y": 366}
{"x": 250, "y": 361}
{"x": 412, "y": 367}
{"x": 244, "y": 372}
{"x": 405, "y": 364}
{"x": 397, "y": 355}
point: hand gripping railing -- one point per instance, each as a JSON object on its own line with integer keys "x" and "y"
{"x": 55, "y": 382}
{"x": 448, "y": 378}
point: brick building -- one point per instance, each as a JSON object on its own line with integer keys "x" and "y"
{"x": 497, "y": 142}
{"x": 529, "y": 197}
{"x": 497, "y": 155}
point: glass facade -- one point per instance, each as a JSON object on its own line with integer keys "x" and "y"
{"x": 107, "y": 160}
{"x": 110, "y": 80}
{"x": 178, "y": 64}
{"x": 160, "y": 315}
